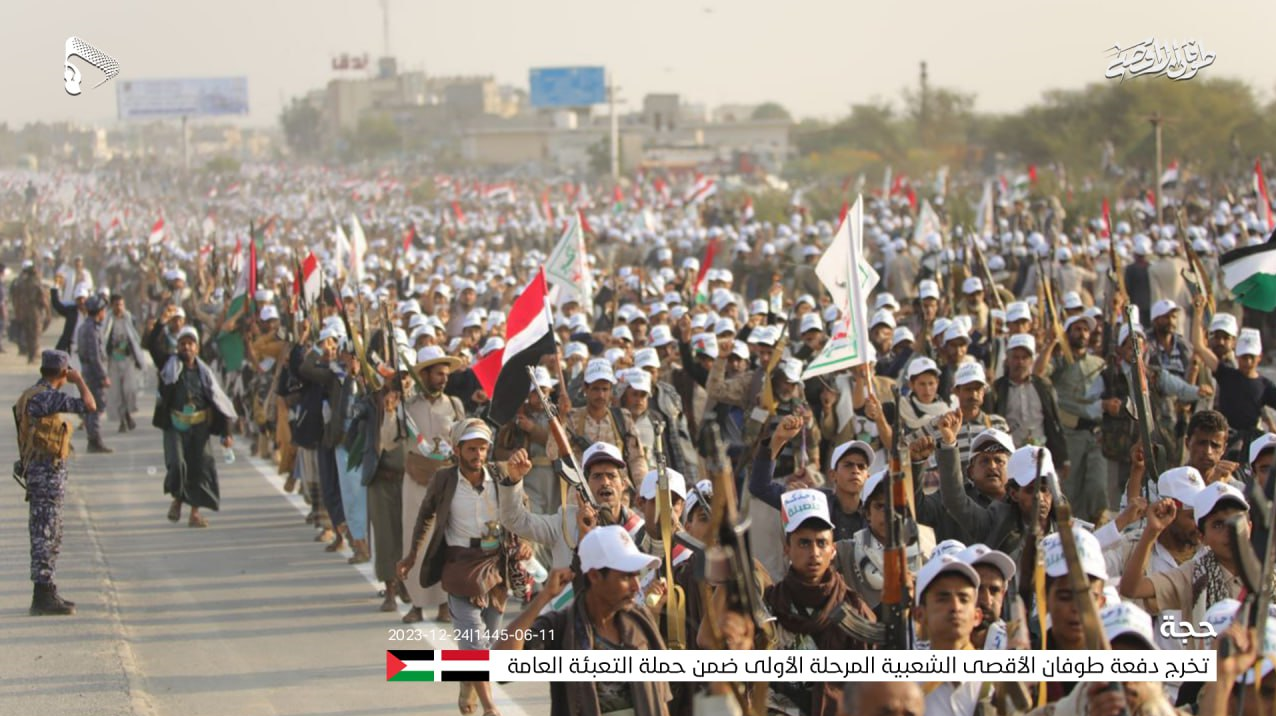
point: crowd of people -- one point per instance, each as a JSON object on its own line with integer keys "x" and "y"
{"x": 1041, "y": 374}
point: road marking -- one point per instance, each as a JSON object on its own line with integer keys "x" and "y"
{"x": 267, "y": 471}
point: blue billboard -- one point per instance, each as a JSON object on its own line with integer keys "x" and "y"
{"x": 568, "y": 86}
{"x": 187, "y": 97}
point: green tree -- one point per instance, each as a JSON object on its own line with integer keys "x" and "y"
{"x": 301, "y": 122}
{"x": 376, "y": 136}
{"x": 771, "y": 111}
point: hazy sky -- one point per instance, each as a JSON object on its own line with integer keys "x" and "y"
{"x": 815, "y": 57}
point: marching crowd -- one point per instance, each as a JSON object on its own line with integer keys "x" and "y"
{"x": 1059, "y": 439}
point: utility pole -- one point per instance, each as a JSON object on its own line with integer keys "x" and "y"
{"x": 385, "y": 28}
{"x": 1157, "y": 120}
{"x": 615, "y": 128}
{"x": 923, "y": 119}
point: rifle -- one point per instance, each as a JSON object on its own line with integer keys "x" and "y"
{"x": 727, "y": 562}
{"x": 565, "y": 465}
{"x": 1095, "y": 639}
{"x": 1198, "y": 281}
{"x": 391, "y": 346}
{"x": 766, "y": 402}
{"x": 1142, "y": 406}
{"x": 1049, "y": 310}
{"x": 676, "y": 603}
{"x": 896, "y": 600}
{"x": 1256, "y": 576}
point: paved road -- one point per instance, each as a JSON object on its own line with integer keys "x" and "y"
{"x": 248, "y": 617}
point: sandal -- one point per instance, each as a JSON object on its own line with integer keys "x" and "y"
{"x": 175, "y": 512}
{"x": 413, "y": 616}
{"x": 468, "y": 701}
{"x": 336, "y": 544}
{"x": 197, "y": 521}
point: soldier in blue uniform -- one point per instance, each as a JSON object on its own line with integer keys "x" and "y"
{"x": 44, "y": 443}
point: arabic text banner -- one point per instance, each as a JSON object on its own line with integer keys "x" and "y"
{"x": 802, "y": 666}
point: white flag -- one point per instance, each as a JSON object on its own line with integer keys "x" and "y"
{"x": 568, "y": 268}
{"x": 358, "y": 248}
{"x": 340, "y": 248}
{"x": 849, "y": 279}
{"x": 927, "y": 224}
{"x": 983, "y": 215}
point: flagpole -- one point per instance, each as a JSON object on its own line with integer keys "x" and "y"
{"x": 1156, "y": 121}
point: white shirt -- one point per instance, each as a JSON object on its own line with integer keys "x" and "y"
{"x": 471, "y": 510}
{"x": 950, "y": 699}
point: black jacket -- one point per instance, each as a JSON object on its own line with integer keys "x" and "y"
{"x": 71, "y": 313}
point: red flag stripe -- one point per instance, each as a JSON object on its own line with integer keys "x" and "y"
{"x": 465, "y": 655}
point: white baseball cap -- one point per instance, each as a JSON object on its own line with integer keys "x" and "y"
{"x": 611, "y": 547}
{"x": 1022, "y": 467}
{"x": 1022, "y": 340}
{"x": 495, "y": 343}
{"x": 471, "y": 429}
{"x": 882, "y": 316}
{"x": 939, "y": 327}
{"x": 992, "y": 436}
{"x": 601, "y": 451}
{"x": 885, "y": 300}
{"x": 1125, "y": 619}
{"x": 82, "y": 291}
{"x": 1123, "y": 335}
{"x": 920, "y": 365}
{"x": 646, "y": 358}
{"x": 740, "y": 349}
{"x": 1249, "y": 343}
{"x": 599, "y": 369}
{"x": 723, "y": 325}
{"x": 948, "y": 546}
{"x": 943, "y": 564}
{"x": 705, "y": 343}
{"x": 972, "y": 285}
{"x": 543, "y": 378}
{"x": 1088, "y": 550}
{"x": 799, "y": 506}
{"x": 1266, "y": 441}
{"x": 846, "y": 447}
{"x": 983, "y": 554}
{"x": 1018, "y": 311}
{"x": 623, "y": 333}
{"x": 638, "y": 379}
{"x": 1067, "y": 325}
{"x": 660, "y": 336}
{"x": 810, "y": 322}
{"x": 807, "y": 299}
{"x": 1163, "y": 307}
{"x": 902, "y": 333}
{"x": 972, "y": 372}
{"x": 791, "y": 368}
{"x": 269, "y": 313}
{"x": 574, "y": 349}
{"x": 928, "y": 289}
{"x": 1207, "y": 499}
{"x": 758, "y": 307}
{"x": 1072, "y": 300}
{"x": 677, "y": 484}
{"x": 701, "y": 495}
{"x": 1180, "y": 483}
{"x": 1224, "y": 322}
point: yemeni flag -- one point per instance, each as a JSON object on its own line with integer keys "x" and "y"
{"x": 309, "y": 280}
{"x": 1264, "y": 199}
{"x": 1170, "y": 177}
{"x": 247, "y": 281}
{"x": 529, "y": 336}
{"x": 157, "y": 233}
{"x": 440, "y": 665}
{"x": 702, "y": 278}
{"x": 1250, "y": 274}
{"x": 1107, "y": 220}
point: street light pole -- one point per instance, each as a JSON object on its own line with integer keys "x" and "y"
{"x": 615, "y": 129}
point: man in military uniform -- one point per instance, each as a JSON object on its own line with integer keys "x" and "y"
{"x": 30, "y": 307}
{"x": 44, "y": 443}
{"x": 91, "y": 348}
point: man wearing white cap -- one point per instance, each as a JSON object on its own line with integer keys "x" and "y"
{"x": 1078, "y": 385}
{"x": 926, "y": 308}
{"x": 1165, "y": 345}
{"x": 72, "y": 313}
{"x": 601, "y": 421}
{"x": 996, "y": 575}
{"x": 1242, "y": 391}
{"x": 1180, "y": 541}
{"x": 1026, "y": 399}
{"x": 666, "y": 404}
{"x": 161, "y": 342}
{"x": 1066, "y": 630}
{"x": 192, "y": 408}
{"x": 808, "y": 596}
{"x": 861, "y": 559}
{"x": 966, "y": 491}
{"x": 604, "y": 615}
{"x": 1194, "y": 586}
{"x": 969, "y": 388}
{"x": 973, "y": 303}
{"x": 948, "y": 606}
{"x": 468, "y": 552}
{"x": 268, "y": 355}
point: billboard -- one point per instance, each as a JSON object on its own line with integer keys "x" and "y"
{"x": 568, "y": 86}
{"x": 187, "y": 97}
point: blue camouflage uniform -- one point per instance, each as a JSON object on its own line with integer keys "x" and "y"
{"x": 46, "y": 487}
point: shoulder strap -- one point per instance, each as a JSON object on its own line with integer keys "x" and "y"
{"x": 458, "y": 409}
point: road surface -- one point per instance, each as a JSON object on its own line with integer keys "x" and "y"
{"x": 248, "y": 617}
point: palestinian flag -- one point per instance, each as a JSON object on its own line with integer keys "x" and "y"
{"x": 440, "y": 665}
{"x": 1250, "y": 274}
{"x": 529, "y": 336}
{"x": 246, "y": 283}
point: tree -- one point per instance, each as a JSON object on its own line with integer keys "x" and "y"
{"x": 770, "y": 111}
{"x": 301, "y": 123}
{"x": 376, "y": 136}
